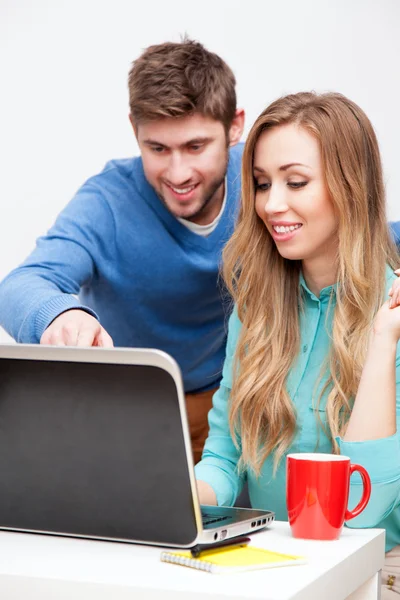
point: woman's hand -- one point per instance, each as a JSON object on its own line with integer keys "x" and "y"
{"x": 387, "y": 320}
{"x": 394, "y": 292}
{"x": 387, "y": 323}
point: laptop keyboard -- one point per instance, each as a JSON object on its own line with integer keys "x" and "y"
{"x": 207, "y": 518}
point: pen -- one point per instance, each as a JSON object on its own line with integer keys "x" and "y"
{"x": 238, "y": 541}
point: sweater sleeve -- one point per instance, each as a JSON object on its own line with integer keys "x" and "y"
{"x": 218, "y": 466}
{"x": 65, "y": 259}
{"x": 381, "y": 458}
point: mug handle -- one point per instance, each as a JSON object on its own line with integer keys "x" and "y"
{"x": 350, "y": 514}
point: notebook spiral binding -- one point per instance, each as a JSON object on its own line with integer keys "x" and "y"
{"x": 202, "y": 565}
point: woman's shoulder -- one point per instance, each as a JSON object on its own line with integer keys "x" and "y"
{"x": 235, "y": 323}
{"x": 234, "y": 328}
{"x": 390, "y": 277}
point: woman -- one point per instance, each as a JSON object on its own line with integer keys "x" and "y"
{"x": 312, "y": 362}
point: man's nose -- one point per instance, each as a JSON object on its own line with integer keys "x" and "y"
{"x": 179, "y": 171}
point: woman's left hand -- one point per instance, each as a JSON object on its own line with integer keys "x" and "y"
{"x": 394, "y": 292}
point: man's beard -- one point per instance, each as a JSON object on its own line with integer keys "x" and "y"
{"x": 207, "y": 200}
{"x": 209, "y": 194}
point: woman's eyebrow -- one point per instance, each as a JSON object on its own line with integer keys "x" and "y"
{"x": 283, "y": 167}
{"x": 293, "y": 164}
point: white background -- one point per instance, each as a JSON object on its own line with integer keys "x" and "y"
{"x": 63, "y": 90}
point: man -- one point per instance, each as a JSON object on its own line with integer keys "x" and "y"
{"x": 141, "y": 242}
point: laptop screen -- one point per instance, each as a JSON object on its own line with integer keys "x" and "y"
{"x": 94, "y": 450}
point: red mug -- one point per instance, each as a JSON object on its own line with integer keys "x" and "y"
{"x": 317, "y": 493}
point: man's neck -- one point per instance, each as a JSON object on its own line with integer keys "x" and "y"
{"x": 212, "y": 209}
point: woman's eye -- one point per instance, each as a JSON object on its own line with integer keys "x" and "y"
{"x": 297, "y": 184}
{"x": 262, "y": 187}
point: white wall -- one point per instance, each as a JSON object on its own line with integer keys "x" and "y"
{"x": 63, "y": 91}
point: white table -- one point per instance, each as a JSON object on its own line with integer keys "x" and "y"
{"x": 41, "y": 567}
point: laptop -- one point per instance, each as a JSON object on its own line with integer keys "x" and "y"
{"x": 95, "y": 443}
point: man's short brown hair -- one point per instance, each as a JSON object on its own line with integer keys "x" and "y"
{"x": 179, "y": 79}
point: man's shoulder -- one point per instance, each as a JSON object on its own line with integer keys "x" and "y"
{"x": 116, "y": 172}
{"x": 235, "y": 161}
{"x": 395, "y": 227}
{"x": 109, "y": 190}
{"x": 234, "y": 171}
{"x": 235, "y": 152}
{"x": 119, "y": 181}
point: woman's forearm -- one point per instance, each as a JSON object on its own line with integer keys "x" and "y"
{"x": 206, "y": 493}
{"x": 374, "y": 412}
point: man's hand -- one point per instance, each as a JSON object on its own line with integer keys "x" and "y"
{"x": 76, "y": 328}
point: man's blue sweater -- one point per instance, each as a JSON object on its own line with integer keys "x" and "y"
{"x": 150, "y": 280}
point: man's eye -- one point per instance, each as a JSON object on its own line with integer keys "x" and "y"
{"x": 157, "y": 149}
{"x": 297, "y": 184}
{"x": 195, "y": 147}
{"x": 262, "y": 187}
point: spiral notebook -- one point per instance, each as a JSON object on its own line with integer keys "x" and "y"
{"x": 235, "y": 559}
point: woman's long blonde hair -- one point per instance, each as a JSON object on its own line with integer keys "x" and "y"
{"x": 265, "y": 286}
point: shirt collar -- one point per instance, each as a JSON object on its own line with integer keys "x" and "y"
{"x": 325, "y": 293}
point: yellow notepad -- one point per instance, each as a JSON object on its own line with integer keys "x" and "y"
{"x": 228, "y": 560}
